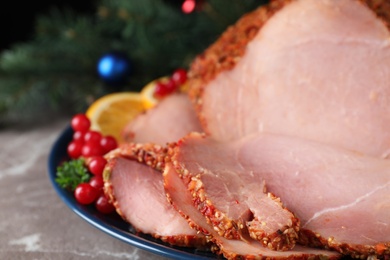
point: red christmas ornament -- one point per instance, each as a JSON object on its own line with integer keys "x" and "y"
{"x": 189, "y": 6}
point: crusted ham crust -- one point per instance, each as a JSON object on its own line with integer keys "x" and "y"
{"x": 313, "y": 239}
{"x": 150, "y": 156}
{"x": 381, "y": 8}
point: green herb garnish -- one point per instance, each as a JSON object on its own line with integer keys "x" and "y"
{"x": 72, "y": 173}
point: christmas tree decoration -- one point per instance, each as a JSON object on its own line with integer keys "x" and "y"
{"x": 63, "y": 68}
{"x": 188, "y": 6}
{"x": 114, "y": 68}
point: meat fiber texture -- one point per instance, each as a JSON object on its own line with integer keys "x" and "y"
{"x": 153, "y": 127}
{"x": 181, "y": 199}
{"x": 340, "y": 197}
{"x": 137, "y": 192}
{"x": 314, "y": 69}
{"x": 234, "y": 201}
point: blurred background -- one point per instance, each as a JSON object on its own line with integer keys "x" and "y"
{"x": 17, "y": 20}
{"x": 52, "y": 52}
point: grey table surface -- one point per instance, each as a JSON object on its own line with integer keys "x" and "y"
{"x": 34, "y": 222}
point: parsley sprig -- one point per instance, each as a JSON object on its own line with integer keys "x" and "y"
{"x": 72, "y": 173}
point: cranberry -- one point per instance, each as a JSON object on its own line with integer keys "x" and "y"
{"x": 96, "y": 165}
{"x": 179, "y": 76}
{"x": 74, "y": 149}
{"x": 92, "y": 137}
{"x": 78, "y": 136}
{"x": 108, "y": 143}
{"x": 92, "y": 149}
{"x": 85, "y": 193}
{"x": 97, "y": 182}
{"x": 103, "y": 205}
{"x": 165, "y": 88}
{"x": 80, "y": 122}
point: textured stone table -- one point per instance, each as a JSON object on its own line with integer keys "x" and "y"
{"x": 34, "y": 222}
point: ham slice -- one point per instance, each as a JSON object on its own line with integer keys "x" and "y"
{"x": 137, "y": 192}
{"x": 181, "y": 198}
{"x": 234, "y": 203}
{"x": 152, "y": 126}
{"x": 341, "y": 197}
{"x": 310, "y": 69}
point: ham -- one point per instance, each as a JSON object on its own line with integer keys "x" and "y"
{"x": 137, "y": 192}
{"x": 152, "y": 126}
{"x": 341, "y": 197}
{"x": 133, "y": 177}
{"x": 311, "y": 69}
{"x": 294, "y": 102}
{"x": 234, "y": 203}
{"x": 181, "y": 198}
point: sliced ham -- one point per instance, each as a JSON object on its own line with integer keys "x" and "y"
{"x": 181, "y": 198}
{"x": 137, "y": 192}
{"x": 294, "y": 99}
{"x": 341, "y": 197}
{"x": 153, "y": 126}
{"x": 236, "y": 204}
{"x": 311, "y": 69}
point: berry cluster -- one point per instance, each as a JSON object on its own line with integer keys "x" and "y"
{"x": 86, "y": 142}
{"x": 91, "y": 145}
{"x": 166, "y": 87}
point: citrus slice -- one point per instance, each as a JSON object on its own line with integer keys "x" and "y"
{"x": 111, "y": 113}
{"x": 147, "y": 93}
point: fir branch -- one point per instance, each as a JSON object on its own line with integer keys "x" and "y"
{"x": 56, "y": 70}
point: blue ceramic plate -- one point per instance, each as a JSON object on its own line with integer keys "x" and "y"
{"x": 112, "y": 224}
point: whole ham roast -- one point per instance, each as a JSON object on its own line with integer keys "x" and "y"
{"x": 290, "y": 158}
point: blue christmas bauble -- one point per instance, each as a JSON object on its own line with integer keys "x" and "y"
{"x": 114, "y": 67}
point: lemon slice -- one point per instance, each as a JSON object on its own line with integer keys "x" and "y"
{"x": 147, "y": 93}
{"x": 111, "y": 113}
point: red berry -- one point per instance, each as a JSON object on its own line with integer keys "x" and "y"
{"x": 92, "y": 149}
{"x": 103, "y": 205}
{"x": 78, "y": 136}
{"x": 74, "y": 149}
{"x": 160, "y": 89}
{"x": 108, "y": 143}
{"x": 92, "y": 137}
{"x": 96, "y": 165}
{"x": 179, "y": 76}
{"x": 85, "y": 193}
{"x": 170, "y": 85}
{"x": 165, "y": 88}
{"x": 97, "y": 182}
{"x": 80, "y": 122}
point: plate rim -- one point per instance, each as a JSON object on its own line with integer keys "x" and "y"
{"x": 56, "y": 154}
